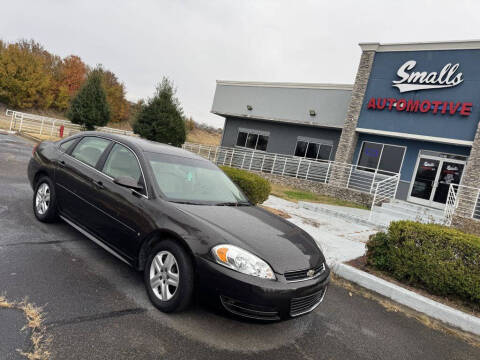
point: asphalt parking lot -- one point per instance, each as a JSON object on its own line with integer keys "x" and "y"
{"x": 96, "y": 306}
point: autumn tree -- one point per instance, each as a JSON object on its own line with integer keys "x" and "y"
{"x": 161, "y": 118}
{"x": 89, "y": 107}
{"x": 25, "y": 77}
{"x": 73, "y": 74}
{"x": 115, "y": 92}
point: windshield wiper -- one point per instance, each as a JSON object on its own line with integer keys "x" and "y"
{"x": 233, "y": 203}
{"x": 187, "y": 202}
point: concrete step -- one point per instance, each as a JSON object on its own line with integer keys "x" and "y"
{"x": 414, "y": 207}
{"x": 361, "y": 217}
{"x": 402, "y": 211}
{"x": 399, "y": 214}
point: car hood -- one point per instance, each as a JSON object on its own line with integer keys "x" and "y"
{"x": 280, "y": 243}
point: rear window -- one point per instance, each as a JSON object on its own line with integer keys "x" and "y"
{"x": 66, "y": 144}
{"x": 90, "y": 149}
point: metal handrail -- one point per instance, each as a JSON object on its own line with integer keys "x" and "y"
{"x": 359, "y": 178}
{"x": 463, "y": 201}
{"x": 385, "y": 190}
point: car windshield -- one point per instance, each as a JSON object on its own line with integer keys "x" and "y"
{"x": 194, "y": 181}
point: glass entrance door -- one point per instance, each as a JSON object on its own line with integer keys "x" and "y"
{"x": 424, "y": 181}
{"x": 450, "y": 173}
{"x": 433, "y": 176}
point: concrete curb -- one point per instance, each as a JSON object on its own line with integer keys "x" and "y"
{"x": 409, "y": 298}
{"x": 7, "y": 132}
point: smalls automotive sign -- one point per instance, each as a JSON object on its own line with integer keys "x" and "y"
{"x": 422, "y": 80}
{"x": 448, "y": 76}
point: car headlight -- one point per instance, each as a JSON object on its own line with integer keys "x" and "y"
{"x": 242, "y": 261}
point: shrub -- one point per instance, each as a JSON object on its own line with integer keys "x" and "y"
{"x": 442, "y": 260}
{"x": 254, "y": 187}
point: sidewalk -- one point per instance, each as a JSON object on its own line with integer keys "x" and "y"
{"x": 342, "y": 240}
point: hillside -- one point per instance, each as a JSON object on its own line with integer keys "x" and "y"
{"x": 200, "y": 134}
{"x": 205, "y": 137}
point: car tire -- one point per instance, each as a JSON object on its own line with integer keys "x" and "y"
{"x": 167, "y": 264}
{"x": 44, "y": 200}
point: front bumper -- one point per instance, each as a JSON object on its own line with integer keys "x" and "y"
{"x": 258, "y": 298}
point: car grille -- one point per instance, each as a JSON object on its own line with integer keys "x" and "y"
{"x": 302, "y": 305}
{"x": 301, "y": 275}
{"x": 249, "y": 310}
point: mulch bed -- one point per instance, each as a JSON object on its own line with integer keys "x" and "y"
{"x": 361, "y": 264}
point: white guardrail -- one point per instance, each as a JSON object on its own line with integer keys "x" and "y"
{"x": 462, "y": 201}
{"x": 43, "y": 125}
{"x": 381, "y": 184}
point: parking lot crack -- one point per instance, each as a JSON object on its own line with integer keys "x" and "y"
{"x": 50, "y": 242}
{"x": 95, "y": 317}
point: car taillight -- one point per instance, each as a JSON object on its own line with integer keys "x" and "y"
{"x": 34, "y": 149}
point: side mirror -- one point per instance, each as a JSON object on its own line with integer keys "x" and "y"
{"x": 128, "y": 182}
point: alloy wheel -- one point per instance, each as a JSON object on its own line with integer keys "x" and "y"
{"x": 42, "y": 199}
{"x": 164, "y": 275}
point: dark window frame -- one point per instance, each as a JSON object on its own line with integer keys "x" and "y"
{"x": 319, "y": 143}
{"x": 377, "y": 168}
{"x": 253, "y": 133}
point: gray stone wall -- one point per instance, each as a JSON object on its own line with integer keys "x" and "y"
{"x": 348, "y": 139}
{"x": 357, "y": 197}
{"x": 467, "y": 225}
{"x": 471, "y": 177}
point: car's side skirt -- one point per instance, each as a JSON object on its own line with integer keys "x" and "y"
{"x": 95, "y": 240}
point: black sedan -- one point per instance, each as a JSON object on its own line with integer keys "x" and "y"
{"x": 178, "y": 218}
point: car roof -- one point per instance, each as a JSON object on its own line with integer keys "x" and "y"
{"x": 144, "y": 145}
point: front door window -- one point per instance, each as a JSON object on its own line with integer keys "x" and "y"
{"x": 425, "y": 178}
{"x": 450, "y": 173}
{"x": 432, "y": 179}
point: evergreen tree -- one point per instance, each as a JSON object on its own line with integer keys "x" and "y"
{"x": 161, "y": 118}
{"x": 89, "y": 107}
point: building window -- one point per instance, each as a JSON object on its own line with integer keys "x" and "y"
{"x": 252, "y": 140}
{"x": 382, "y": 157}
{"x": 313, "y": 150}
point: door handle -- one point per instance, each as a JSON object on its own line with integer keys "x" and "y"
{"x": 98, "y": 184}
{"x": 61, "y": 163}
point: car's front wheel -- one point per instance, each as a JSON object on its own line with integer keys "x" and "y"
{"x": 44, "y": 201}
{"x": 168, "y": 277}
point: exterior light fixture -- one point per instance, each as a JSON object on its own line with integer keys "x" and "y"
{"x": 249, "y": 107}
{"x": 312, "y": 112}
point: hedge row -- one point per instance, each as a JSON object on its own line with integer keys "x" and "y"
{"x": 253, "y": 186}
{"x": 442, "y": 260}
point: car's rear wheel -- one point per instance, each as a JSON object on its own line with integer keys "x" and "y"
{"x": 44, "y": 201}
{"x": 168, "y": 277}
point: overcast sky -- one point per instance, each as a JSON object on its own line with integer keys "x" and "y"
{"x": 195, "y": 42}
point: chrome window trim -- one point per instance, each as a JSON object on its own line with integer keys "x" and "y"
{"x": 109, "y": 177}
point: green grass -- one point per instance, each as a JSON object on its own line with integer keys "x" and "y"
{"x": 296, "y": 195}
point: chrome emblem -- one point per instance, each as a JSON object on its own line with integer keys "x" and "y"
{"x": 310, "y": 273}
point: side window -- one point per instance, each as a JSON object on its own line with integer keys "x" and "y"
{"x": 122, "y": 162}
{"x": 89, "y": 150}
{"x": 66, "y": 145}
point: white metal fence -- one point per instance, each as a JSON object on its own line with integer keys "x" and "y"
{"x": 42, "y": 125}
{"x": 462, "y": 201}
{"x": 381, "y": 184}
